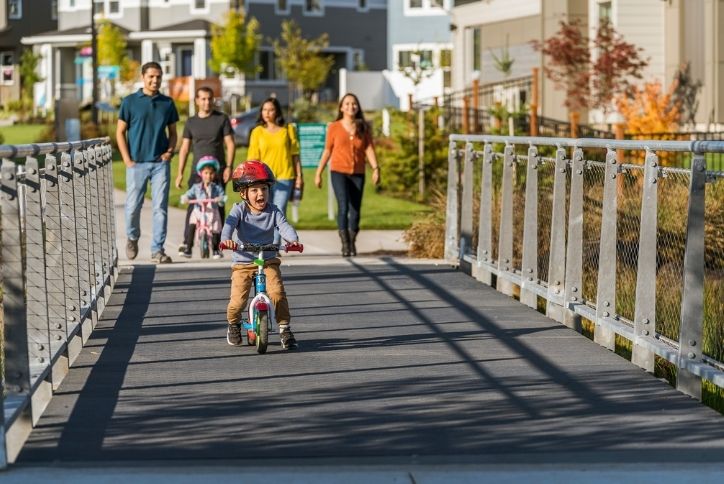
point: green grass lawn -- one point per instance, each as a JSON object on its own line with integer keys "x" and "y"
{"x": 378, "y": 211}
{"x": 20, "y": 134}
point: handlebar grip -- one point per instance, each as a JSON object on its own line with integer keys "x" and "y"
{"x": 294, "y": 248}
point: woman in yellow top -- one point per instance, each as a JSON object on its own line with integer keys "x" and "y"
{"x": 275, "y": 143}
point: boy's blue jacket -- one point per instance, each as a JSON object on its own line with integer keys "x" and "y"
{"x": 244, "y": 226}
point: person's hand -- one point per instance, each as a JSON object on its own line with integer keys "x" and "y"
{"x": 184, "y": 199}
{"x": 228, "y": 245}
{"x": 129, "y": 163}
{"x": 227, "y": 174}
{"x": 294, "y": 246}
{"x": 318, "y": 179}
{"x": 376, "y": 176}
{"x": 299, "y": 182}
{"x": 179, "y": 179}
{"x": 166, "y": 156}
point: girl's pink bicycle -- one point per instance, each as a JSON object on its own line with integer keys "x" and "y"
{"x": 204, "y": 216}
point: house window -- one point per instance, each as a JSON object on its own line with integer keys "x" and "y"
{"x": 446, "y": 66}
{"x": 185, "y": 61}
{"x": 477, "y": 53}
{"x": 54, "y": 10}
{"x": 199, "y": 4}
{"x": 313, "y": 7}
{"x": 604, "y": 11}
{"x": 424, "y": 6}
{"x": 281, "y": 7}
{"x": 107, "y": 7}
{"x": 408, "y": 58}
{"x": 415, "y": 3}
{"x": 6, "y": 58}
{"x": 15, "y": 9}
{"x": 268, "y": 66}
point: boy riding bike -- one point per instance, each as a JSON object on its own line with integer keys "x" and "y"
{"x": 254, "y": 221}
{"x": 206, "y": 217}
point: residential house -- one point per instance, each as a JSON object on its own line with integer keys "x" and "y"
{"x": 667, "y": 32}
{"x": 15, "y": 23}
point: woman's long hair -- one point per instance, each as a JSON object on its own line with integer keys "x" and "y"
{"x": 359, "y": 118}
{"x": 279, "y": 120}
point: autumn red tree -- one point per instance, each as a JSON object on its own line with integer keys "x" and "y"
{"x": 617, "y": 64}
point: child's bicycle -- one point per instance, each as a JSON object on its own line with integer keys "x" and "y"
{"x": 261, "y": 310}
{"x": 205, "y": 211}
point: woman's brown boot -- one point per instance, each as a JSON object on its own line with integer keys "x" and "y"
{"x": 344, "y": 237}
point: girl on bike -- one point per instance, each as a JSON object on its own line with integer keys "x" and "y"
{"x": 207, "y": 167}
{"x": 255, "y": 220}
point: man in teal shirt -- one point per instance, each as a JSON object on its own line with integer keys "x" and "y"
{"x": 144, "y": 118}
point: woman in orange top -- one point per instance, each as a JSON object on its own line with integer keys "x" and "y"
{"x": 348, "y": 144}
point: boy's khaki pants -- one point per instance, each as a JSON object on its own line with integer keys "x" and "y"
{"x": 241, "y": 281}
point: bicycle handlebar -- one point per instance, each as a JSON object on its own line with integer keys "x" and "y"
{"x": 201, "y": 201}
{"x": 249, "y": 247}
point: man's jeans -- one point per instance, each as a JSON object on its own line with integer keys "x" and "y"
{"x": 136, "y": 181}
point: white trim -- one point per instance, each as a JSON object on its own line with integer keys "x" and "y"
{"x": 57, "y": 40}
{"x": 170, "y": 34}
{"x": 313, "y": 13}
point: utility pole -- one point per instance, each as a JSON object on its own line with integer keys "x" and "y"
{"x": 94, "y": 63}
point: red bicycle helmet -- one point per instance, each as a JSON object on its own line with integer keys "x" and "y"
{"x": 251, "y": 172}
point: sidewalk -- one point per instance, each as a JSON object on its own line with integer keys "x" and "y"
{"x": 316, "y": 242}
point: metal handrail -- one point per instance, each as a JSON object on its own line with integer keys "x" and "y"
{"x": 59, "y": 264}
{"x": 585, "y": 217}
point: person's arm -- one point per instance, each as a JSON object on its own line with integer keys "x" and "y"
{"x": 183, "y": 155}
{"x": 230, "y": 153}
{"x": 299, "y": 181}
{"x": 328, "y": 146}
{"x": 372, "y": 159}
{"x": 121, "y": 129}
{"x": 172, "y": 138}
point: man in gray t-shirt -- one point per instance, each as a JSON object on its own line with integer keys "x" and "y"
{"x": 208, "y": 133}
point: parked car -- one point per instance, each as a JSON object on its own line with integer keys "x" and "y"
{"x": 242, "y": 124}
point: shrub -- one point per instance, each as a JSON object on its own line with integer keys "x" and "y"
{"x": 426, "y": 235}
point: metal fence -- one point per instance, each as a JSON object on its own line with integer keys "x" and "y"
{"x": 634, "y": 251}
{"x": 59, "y": 264}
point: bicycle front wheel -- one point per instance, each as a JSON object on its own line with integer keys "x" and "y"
{"x": 262, "y": 331}
{"x": 204, "y": 246}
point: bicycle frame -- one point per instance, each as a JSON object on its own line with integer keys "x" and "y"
{"x": 203, "y": 225}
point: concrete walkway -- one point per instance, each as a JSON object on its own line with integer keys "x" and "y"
{"x": 316, "y": 242}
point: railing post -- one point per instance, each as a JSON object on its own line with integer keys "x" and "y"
{"x": 606, "y": 294}
{"x": 94, "y": 234}
{"x": 15, "y": 328}
{"x": 557, "y": 258}
{"x": 70, "y": 256}
{"x": 36, "y": 293}
{"x": 505, "y": 234}
{"x": 573, "y": 293}
{"x": 85, "y": 260}
{"x": 485, "y": 218}
{"x": 466, "y": 208}
{"x": 529, "y": 274}
{"x": 645, "y": 311}
{"x": 692, "y": 303}
{"x": 452, "y": 233}
{"x": 55, "y": 274}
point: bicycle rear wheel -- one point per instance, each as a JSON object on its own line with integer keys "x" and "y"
{"x": 262, "y": 331}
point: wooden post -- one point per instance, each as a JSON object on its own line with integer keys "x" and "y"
{"x": 534, "y": 103}
{"x": 476, "y": 106}
{"x": 466, "y": 115}
{"x": 574, "y": 117}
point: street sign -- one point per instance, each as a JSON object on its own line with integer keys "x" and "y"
{"x": 108, "y": 72}
{"x": 311, "y": 142}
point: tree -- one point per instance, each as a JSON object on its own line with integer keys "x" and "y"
{"x": 649, "y": 109}
{"x": 28, "y": 68}
{"x": 616, "y": 65}
{"x": 301, "y": 60}
{"x": 569, "y": 63}
{"x": 113, "y": 51}
{"x": 234, "y": 45}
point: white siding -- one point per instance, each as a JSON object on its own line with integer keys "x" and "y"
{"x": 495, "y": 11}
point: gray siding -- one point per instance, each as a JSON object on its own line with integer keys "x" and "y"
{"x": 36, "y": 20}
{"x": 347, "y": 29}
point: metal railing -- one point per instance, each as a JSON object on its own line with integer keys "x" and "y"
{"x": 59, "y": 264}
{"x": 634, "y": 250}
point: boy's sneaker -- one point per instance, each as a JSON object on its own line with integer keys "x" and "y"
{"x": 233, "y": 335}
{"x": 287, "y": 338}
{"x": 131, "y": 249}
{"x": 182, "y": 249}
{"x": 185, "y": 253}
{"x": 217, "y": 255}
{"x": 160, "y": 257}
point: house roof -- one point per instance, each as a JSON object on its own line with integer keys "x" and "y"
{"x": 68, "y": 35}
{"x": 85, "y": 30}
{"x": 197, "y": 24}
